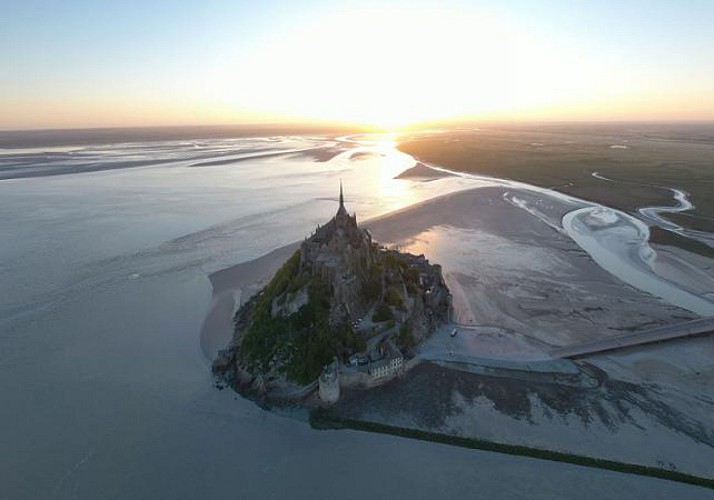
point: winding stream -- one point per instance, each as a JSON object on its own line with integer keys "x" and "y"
{"x": 619, "y": 242}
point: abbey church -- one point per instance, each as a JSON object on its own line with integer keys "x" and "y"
{"x": 342, "y": 254}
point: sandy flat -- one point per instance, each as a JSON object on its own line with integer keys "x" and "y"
{"x": 421, "y": 171}
{"x": 231, "y": 288}
{"x": 508, "y": 268}
{"x": 515, "y": 270}
{"x": 520, "y": 285}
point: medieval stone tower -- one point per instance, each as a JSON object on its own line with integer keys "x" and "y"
{"x": 340, "y": 253}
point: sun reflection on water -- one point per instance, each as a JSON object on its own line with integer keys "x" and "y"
{"x": 385, "y": 162}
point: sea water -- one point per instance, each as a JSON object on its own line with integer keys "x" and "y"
{"x": 104, "y": 390}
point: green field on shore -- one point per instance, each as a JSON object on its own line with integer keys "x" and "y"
{"x": 642, "y": 160}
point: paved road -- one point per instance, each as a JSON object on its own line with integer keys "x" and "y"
{"x": 692, "y": 328}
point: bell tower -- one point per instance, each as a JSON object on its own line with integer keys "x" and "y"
{"x": 341, "y": 210}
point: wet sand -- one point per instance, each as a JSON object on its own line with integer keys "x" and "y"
{"x": 110, "y": 394}
{"x": 612, "y": 418}
{"x": 517, "y": 271}
{"x": 508, "y": 266}
{"x": 231, "y": 288}
{"x": 523, "y": 286}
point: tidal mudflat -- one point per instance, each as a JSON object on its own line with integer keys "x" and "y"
{"x": 523, "y": 285}
{"x": 104, "y": 292}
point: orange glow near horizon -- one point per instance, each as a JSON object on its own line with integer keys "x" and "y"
{"x": 385, "y": 69}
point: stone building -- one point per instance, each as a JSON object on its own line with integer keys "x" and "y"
{"x": 340, "y": 253}
{"x": 390, "y": 366}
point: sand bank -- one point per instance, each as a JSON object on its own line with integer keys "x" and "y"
{"x": 524, "y": 287}
{"x": 231, "y": 288}
{"x": 513, "y": 269}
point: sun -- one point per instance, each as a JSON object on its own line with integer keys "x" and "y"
{"x": 386, "y": 68}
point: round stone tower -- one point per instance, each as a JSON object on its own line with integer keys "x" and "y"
{"x": 329, "y": 383}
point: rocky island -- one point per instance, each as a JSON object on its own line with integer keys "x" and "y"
{"x": 342, "y": 311}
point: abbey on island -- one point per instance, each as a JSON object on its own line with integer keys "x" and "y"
{"x": 342, "y": 312}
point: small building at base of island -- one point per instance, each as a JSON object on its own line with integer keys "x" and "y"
{"x": 390, "y": 366}
{"x": 386, "y": 367}
{"x": 329, "y": 383}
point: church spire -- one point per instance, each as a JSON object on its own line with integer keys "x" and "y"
{"x": 341, "y": 210}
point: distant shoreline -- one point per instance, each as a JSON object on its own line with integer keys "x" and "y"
{"x": 91, "y": 136}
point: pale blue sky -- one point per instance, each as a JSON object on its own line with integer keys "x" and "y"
{"x": 83, "y": 63}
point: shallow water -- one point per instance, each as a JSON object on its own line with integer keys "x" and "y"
{"x": 619, "y": 243}
{"x": 104, "y": 389}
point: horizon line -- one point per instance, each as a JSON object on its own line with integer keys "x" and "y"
{"x": 374, "y": 128}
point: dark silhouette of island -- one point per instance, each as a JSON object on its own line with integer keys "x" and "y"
{"x": 341, "y": 306}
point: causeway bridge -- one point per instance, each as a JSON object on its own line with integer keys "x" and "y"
{"x": 693, "y": 328}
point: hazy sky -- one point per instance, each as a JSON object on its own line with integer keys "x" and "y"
{"x": 117, "y": 62}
